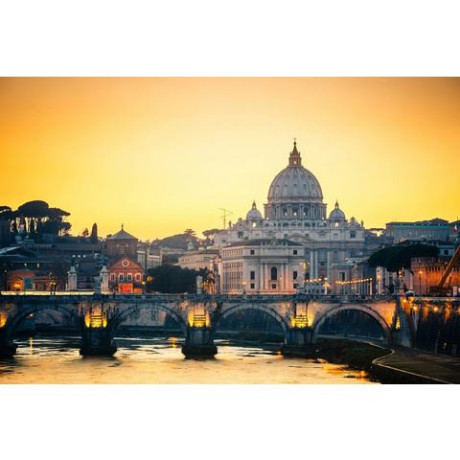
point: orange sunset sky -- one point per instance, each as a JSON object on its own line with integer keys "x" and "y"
{"x": 164, "y": 154}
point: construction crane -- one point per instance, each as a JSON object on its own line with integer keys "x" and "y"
{"x": 226, "y": 214}
{"x": 440, "y": 289}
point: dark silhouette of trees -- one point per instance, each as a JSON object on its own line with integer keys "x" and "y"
{"x": 172, "y": 279}
{"x": 34, "y": 219}
{"x": 94, "y": 238}
{"x": 397, "y": 257}
{"x": 179, "y": 241}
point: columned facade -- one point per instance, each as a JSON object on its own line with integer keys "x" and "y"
{"x": 295, "y": 213}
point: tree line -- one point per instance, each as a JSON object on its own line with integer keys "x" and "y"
{"x": 34, "y": 219}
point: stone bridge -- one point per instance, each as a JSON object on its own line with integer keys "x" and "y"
{"x": 199, "y": 316}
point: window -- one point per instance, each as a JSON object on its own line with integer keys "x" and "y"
{"x": 129, "y": 277}
{"x": 294, "y": 252}
{"x": 121, "y": 277}
{"x": 252, "y": 275}
{"x": 252, "y": 252}
{"x": 274, "y": 274}
{"x": 253, "y": 286}
{"x": 352, "y": 234}
{"x": 294, "y": 286}
{"x": 138, "y": 276}
{"x": 112, "y": 277}
{"x": 240, "y": 234}
{"x": 294, "y": 275}
{"x": 273, "y": 286}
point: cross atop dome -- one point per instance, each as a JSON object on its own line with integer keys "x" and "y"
{"x": 294, "y": 157}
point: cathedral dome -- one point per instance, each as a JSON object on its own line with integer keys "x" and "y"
{"x": 295, "y": 183}
{"x": 337, "y": 215}
{"x": 254, "y": 215}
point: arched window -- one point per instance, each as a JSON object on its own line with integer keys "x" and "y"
{"x": 274, "y": 274}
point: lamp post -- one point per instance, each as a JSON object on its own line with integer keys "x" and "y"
{"x": 420, "y": 283}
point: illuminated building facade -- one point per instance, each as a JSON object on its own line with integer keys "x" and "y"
{"x": 295, "y": 212}
{"x": 261, "y": 267}
{"x": 125, "y": 276}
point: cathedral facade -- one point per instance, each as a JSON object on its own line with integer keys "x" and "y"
{"x": 295, "y": 244}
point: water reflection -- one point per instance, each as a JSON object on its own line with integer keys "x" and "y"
{"x": 159, "y": 360}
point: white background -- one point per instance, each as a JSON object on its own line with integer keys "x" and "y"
{"x": 228, "y": 38}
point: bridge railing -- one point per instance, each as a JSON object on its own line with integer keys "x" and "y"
{"x": 67, "y": 296}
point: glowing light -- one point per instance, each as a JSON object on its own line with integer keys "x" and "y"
{"x": 95, "y": 318}
{"x": 173, "y": 342}
{"x": 198, "y": 316}
{"x": 3, "y": 319}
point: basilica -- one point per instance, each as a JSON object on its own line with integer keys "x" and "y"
{"x": 295, "y": 244}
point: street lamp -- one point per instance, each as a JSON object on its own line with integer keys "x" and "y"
{"x": 420, "y": 283}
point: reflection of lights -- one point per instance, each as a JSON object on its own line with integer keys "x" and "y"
{"x": 3, "y": 318}
{"x": 173, "y": 342}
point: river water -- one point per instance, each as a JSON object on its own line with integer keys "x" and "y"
{"x": 159, "y": 360}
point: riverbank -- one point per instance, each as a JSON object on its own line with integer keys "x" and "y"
{"x": 394, "y": 366}
{"x": 353, "y": 354}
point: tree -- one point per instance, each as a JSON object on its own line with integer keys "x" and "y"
{"x": 5, "y": 225}
{"x": 172, "y": 279}
{"x": 94, "y": 238}
{"x": 397, "y": 257}
{"x": 209, "y": 233}
{"x": 55, "y": 224}
{"x": 37, "y": 218}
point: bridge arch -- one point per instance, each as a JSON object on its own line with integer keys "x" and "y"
{"x": 125, "y": 313}
{"x": 17, "y": 315}
{"x": 346, "y": 307}
{"x": 249, "y": 306}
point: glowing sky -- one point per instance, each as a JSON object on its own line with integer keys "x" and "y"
{"x": 164, "y": 154}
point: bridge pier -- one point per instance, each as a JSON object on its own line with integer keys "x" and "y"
{"x": 97, "y": 342}
{"x": 7, "y": 346}
{"x": 298, "y": 342}
{"x": 199, "y": 343}
{"x": 97, "y": 333}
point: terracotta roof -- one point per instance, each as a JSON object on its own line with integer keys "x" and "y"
{"x": 122, "y": 235}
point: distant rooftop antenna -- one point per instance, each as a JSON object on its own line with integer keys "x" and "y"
{"x": 226, "y": 214}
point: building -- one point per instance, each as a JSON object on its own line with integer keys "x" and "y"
{"x": 423, "y": 230}
{"x": 295, "y": 213}
{"x": 265, "y": 266}
{"x": 146, "y": 257}
{"x": 199, "y": 259}
{"x": 427, "y": 274}
{"x": 122, "y": 244}
{"x": 126, "y": 276}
